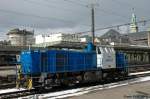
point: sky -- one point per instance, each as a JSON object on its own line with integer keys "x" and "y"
{"x": 70, "y": 16}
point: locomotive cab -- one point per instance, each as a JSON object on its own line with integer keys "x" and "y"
{"x": 106, "y": 59}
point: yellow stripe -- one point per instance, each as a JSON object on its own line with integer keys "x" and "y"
{"x": 17, "y": 84}
{"x": 18, "y": 76}
{"x": 29, "y": 83}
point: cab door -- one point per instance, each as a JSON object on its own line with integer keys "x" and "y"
{"x": 99, "y": 57}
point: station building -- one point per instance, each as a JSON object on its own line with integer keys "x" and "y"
{"x": 19, "y": 37}
{"x": 134, "y": 37}
{"x": 55, "y": 38}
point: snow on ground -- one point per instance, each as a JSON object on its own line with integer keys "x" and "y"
{"x": 81, "y": 91}
{"x": 138, "y": 73}
{"x": 62, "y": 92}
{"x": 10, "y": 90}
{"x": 142, "y": 79}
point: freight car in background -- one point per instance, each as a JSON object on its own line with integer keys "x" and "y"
{"x": 7, "y": 68}
{"x": 8, "y": 60}
{"x": 64, "y": 67}
{"x": 138, "y": 57}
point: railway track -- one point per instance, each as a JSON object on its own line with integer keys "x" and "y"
{"x": 85, "y": 88}
{"x": 7, "y": 85}
{"x": 16, "y": 94}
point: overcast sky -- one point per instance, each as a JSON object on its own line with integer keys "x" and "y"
{"x": 49, "y": 16}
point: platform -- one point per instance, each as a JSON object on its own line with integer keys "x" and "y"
{"x": 131, "y": 91}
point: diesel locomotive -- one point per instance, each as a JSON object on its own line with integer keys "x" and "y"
{"x": 49, "y": 68}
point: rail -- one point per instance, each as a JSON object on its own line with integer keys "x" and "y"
{"x": 24, "y": 93}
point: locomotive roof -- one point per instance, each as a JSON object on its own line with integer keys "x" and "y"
{"x": 132, "y": 47}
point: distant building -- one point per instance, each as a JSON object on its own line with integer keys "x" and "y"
{"x": 111, "y": 36}
{"x": 114, "y": 37}
{"x": 55, "y": 38}
{"x": 133, "y": 38}
{"x": 19, "y": 37}
{"x": 133, "y": 25}
{"x": 87, "y": 38}
{"x": 4, "y": 42}
{"x": 138, "y": 38}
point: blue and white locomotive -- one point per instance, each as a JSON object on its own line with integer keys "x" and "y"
{"x": 50, "y": 68}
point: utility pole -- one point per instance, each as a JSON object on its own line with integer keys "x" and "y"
{"x": 93, "y": 3}
{"x": 93, "y": 22}
{"x": 148, "y": 37}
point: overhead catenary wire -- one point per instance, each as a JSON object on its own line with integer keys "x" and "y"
{"x": 50, "y": 17}
{"x": 87, "y": 6}
{"x": 77, "y": 3}
{"x": 30, "y": 15}
{"x": 50, "y": 5}
{"x": 112, "y": 13}
{"x": 47, "y": 18}
{"x": 98, "y": 10}
{"x": 61, "y": 8}
{"x": 83, "y": 6}
{"x": 121, "y": 2}
{"x": 114, "y": 26}
{"x": 37, "y": 16}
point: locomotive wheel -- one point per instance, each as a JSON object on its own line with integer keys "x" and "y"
{"x": 89, "y": 77}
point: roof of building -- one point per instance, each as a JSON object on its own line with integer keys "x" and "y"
{"x": 110, "y": 33}
{"x": 131, "y": 38}
{"x": 18, "y": 31}
{"x": 137, "y": 35}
